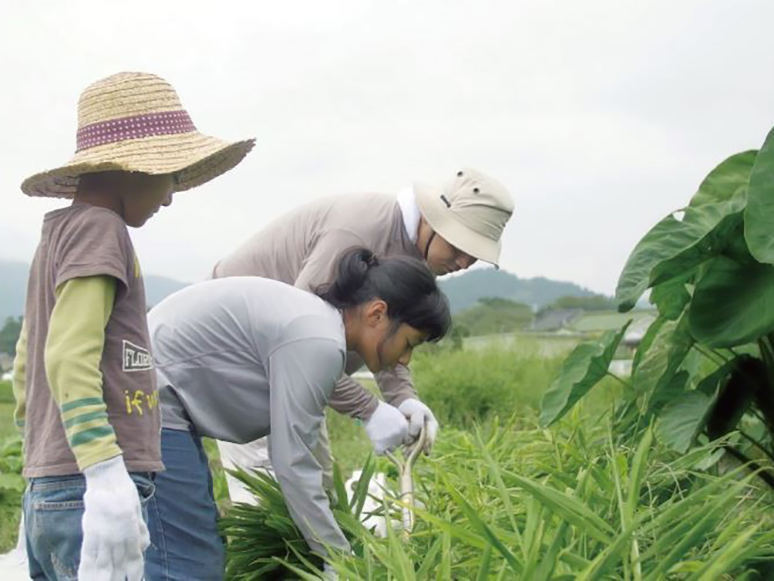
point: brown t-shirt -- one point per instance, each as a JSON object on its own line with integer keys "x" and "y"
{"x": 303, "y": 248}
{"x": 82, "y": 241}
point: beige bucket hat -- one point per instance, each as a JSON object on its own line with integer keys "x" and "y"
{"x": 470, "y": 212}
{"x": 135, "y": 122}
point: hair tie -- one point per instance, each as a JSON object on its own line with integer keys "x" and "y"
{"x": 372, "y": 261}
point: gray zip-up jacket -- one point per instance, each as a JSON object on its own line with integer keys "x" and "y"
{"x": 302, "y": 248}
{"x": 243, "y": 357}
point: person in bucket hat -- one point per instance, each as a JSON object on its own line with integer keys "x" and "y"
{"x": 469, "y": 213}
{"x": 84, "y": 379}
{"x": 450, "y": 226}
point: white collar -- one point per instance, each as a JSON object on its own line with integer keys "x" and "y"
{"x": 407, "y": 200}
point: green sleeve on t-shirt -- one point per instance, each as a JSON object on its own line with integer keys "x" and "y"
{"x": 20, "y": 379}
{"x": 73, "y": 352}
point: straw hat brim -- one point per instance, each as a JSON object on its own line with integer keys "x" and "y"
{"x": 448, "y": 226}
{"x": 193, "y": 158}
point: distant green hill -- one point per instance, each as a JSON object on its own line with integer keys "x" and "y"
{"x": 13, "y": 286}
{"x": 467, "y": 289}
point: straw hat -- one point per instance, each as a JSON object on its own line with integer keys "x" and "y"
{"x": 470, "y": 212}
{"x": 135, "y": 122}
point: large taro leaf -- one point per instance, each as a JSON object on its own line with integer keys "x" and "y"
{"x": 582, "y": 370}
{"x": 670, "y": 297}
{"x": 737, "y": 249}
{"x": 759, "y": 215}
{"x": 685, "y": 414}
{"x": 682, "y": 419}
{"x": 664, "y": 240}
{"x": 673, "y": 248}
{"x": 733, "y": 303}
{"x": 647, "y": 341}
{"x": 667, "y": 393}
{"x": 714, "y": 226}
{"x": 662, "y": 360}
{"x": 726, "y": 180}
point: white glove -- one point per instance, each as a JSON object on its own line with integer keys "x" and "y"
{"x": 114, "y": 532}
{"x": 419, "y": 415}
{"x": 387, "y": 428}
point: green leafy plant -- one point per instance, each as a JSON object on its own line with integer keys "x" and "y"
{"x": 11, "y": 481}
{"x": 706, "y": 366}
{"x": 264, "y": 541}
{"x": 11, "y": 489}
{"x": 260, "y": 536}
{"x": 567, "y": 503}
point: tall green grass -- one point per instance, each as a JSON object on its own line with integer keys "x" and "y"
{"x": 468, "y": 387}
{"x": 7, "y": 405}
{"x": 561, "y": 504}
{"x": 11, "y": 490}
{"x": 464, "y": 387}
{"x": 11, "y": 482}
{"x": 568, "y": 504}
{"x": 506, "y": 500}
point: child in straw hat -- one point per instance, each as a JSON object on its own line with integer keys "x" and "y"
{"x": 83, "y": 376}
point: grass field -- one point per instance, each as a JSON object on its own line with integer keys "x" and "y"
{"x": 7, "y": 427}
{"x": 9, "y": 500}
{"x": 7, "y": 406}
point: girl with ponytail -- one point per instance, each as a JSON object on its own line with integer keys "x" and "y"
{"x": 390, "y": 306}
{"x": 237, "y": 358}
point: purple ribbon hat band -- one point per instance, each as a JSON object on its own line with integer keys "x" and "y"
{"x": 135, "y": 127}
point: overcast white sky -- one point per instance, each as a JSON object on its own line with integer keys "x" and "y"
{"x": 600, "y": 116}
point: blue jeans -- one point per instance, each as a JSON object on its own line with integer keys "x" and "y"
{"x": 182, "y": 516}
{"x": 53, "y": 511}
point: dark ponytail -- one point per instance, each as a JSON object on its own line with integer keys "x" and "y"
{"x": 405, "y": 284}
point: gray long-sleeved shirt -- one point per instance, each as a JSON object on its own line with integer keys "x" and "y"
{"x": 302, "y": 248}
{"x": 242, "y": 357}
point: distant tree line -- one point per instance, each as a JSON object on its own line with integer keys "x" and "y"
{"x": 592, "y": 303}
{"x": 495, "y": 315}
{"x": 9, "y": 335}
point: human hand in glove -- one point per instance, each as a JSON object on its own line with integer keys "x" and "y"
{"x": 387, "y": 428}
{"x": 418, "y": 415}
{"x": 114, "y": 532}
